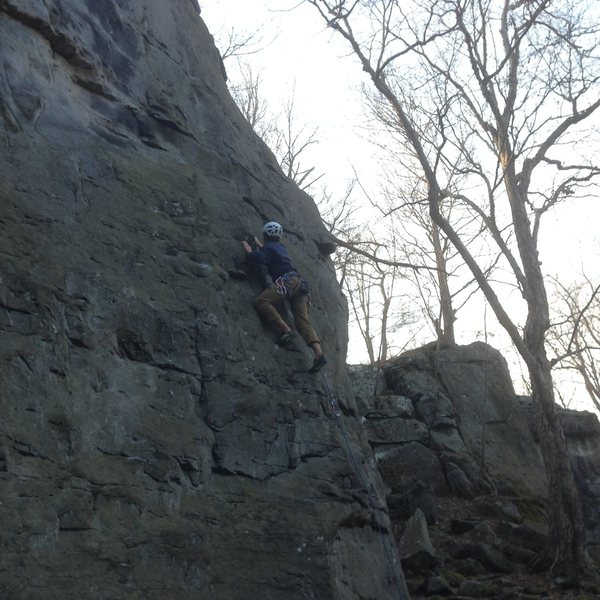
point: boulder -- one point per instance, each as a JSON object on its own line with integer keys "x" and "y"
{"x": 414, "y": 495}
{"x": 416, "y": 550}
{"x": 489, "y": 557}
{"x": 396, "y": 430}
{"x": 411, "y": 461}
{"x": 388, "y": 406}
{"x": 368, "y": 382}
{"x": 437, "y": 585}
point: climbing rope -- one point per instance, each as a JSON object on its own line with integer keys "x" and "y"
{"x": 373, "y": 505}
{"x": 333, "y": 403}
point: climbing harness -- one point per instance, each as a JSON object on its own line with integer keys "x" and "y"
{"x": 283, "y": 285}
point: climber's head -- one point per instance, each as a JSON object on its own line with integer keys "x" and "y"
{"x": 272, "y": 231}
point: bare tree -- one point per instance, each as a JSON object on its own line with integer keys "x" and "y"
{"x": 375, "y": 304}
{"x": 406, "y": 206}
{"x": 368, "y": 273}
{"x": 289, "y": 137}
{"x": 246, "y": 91}
{"x": 245, "y": 83}
{"x": 444, "y": 289}
{"x": 442, "y": 292}
{"x": 575, "y": 334}
{"x": 292, "y": 139}
{"x": 489, "y": 96}
{"x": 235, "y": 43}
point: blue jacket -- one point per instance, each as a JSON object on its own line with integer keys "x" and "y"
{"x": 275, "y": 257}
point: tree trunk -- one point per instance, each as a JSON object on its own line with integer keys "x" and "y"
{"x": 446, "y": 327}
{"x": 383, "y": 346}
{"x": 565, "y": 555}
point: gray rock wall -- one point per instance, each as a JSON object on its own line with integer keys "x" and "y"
{"x": 459, "y": 453}
{"x": 154, "y": 442}
{"x": 465, "y": 396}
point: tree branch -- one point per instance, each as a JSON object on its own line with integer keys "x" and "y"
{"x": 381, "y": 261}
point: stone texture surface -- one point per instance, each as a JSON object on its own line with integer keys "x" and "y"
{"x": 466, "y": 393}
{"x": 154, "y": 442}
{"x": 416, "y": 549}
{"x": 582, "y": 430}
{"x": 464, "y": 471}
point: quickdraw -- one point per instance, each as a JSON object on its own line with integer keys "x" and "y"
{"x": 333, "y": 403}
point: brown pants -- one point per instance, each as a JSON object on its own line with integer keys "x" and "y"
{"x": 265, "y": 304}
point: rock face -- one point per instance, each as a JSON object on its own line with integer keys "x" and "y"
{"x": 154, "y": 442}
{"x": 466, "y": 398}
{"x": 582, "y": 431}
{"x": 459, "y": 453}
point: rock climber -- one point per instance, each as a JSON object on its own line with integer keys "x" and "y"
{"x": 287, "y": 285}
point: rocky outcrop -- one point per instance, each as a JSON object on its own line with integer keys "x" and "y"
{"x": 465, "y": 397}
{"x": 459, "y": 452}
{"x": 582, "y": 431}
{"x": 154, "y": 442}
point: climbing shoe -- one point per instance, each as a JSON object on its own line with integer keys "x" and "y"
{"x": 286, "y": 339}
{"x": 318, "y": 364}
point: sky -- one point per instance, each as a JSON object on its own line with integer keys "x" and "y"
{"x": 299, "y": 56}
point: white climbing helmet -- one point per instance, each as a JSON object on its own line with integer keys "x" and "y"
{"x": 273, "y": 229}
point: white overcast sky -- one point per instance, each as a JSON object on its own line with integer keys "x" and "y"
{"x": 300, "y": 55}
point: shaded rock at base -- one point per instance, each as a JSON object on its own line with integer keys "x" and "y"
{"x": 416, "y": 550}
